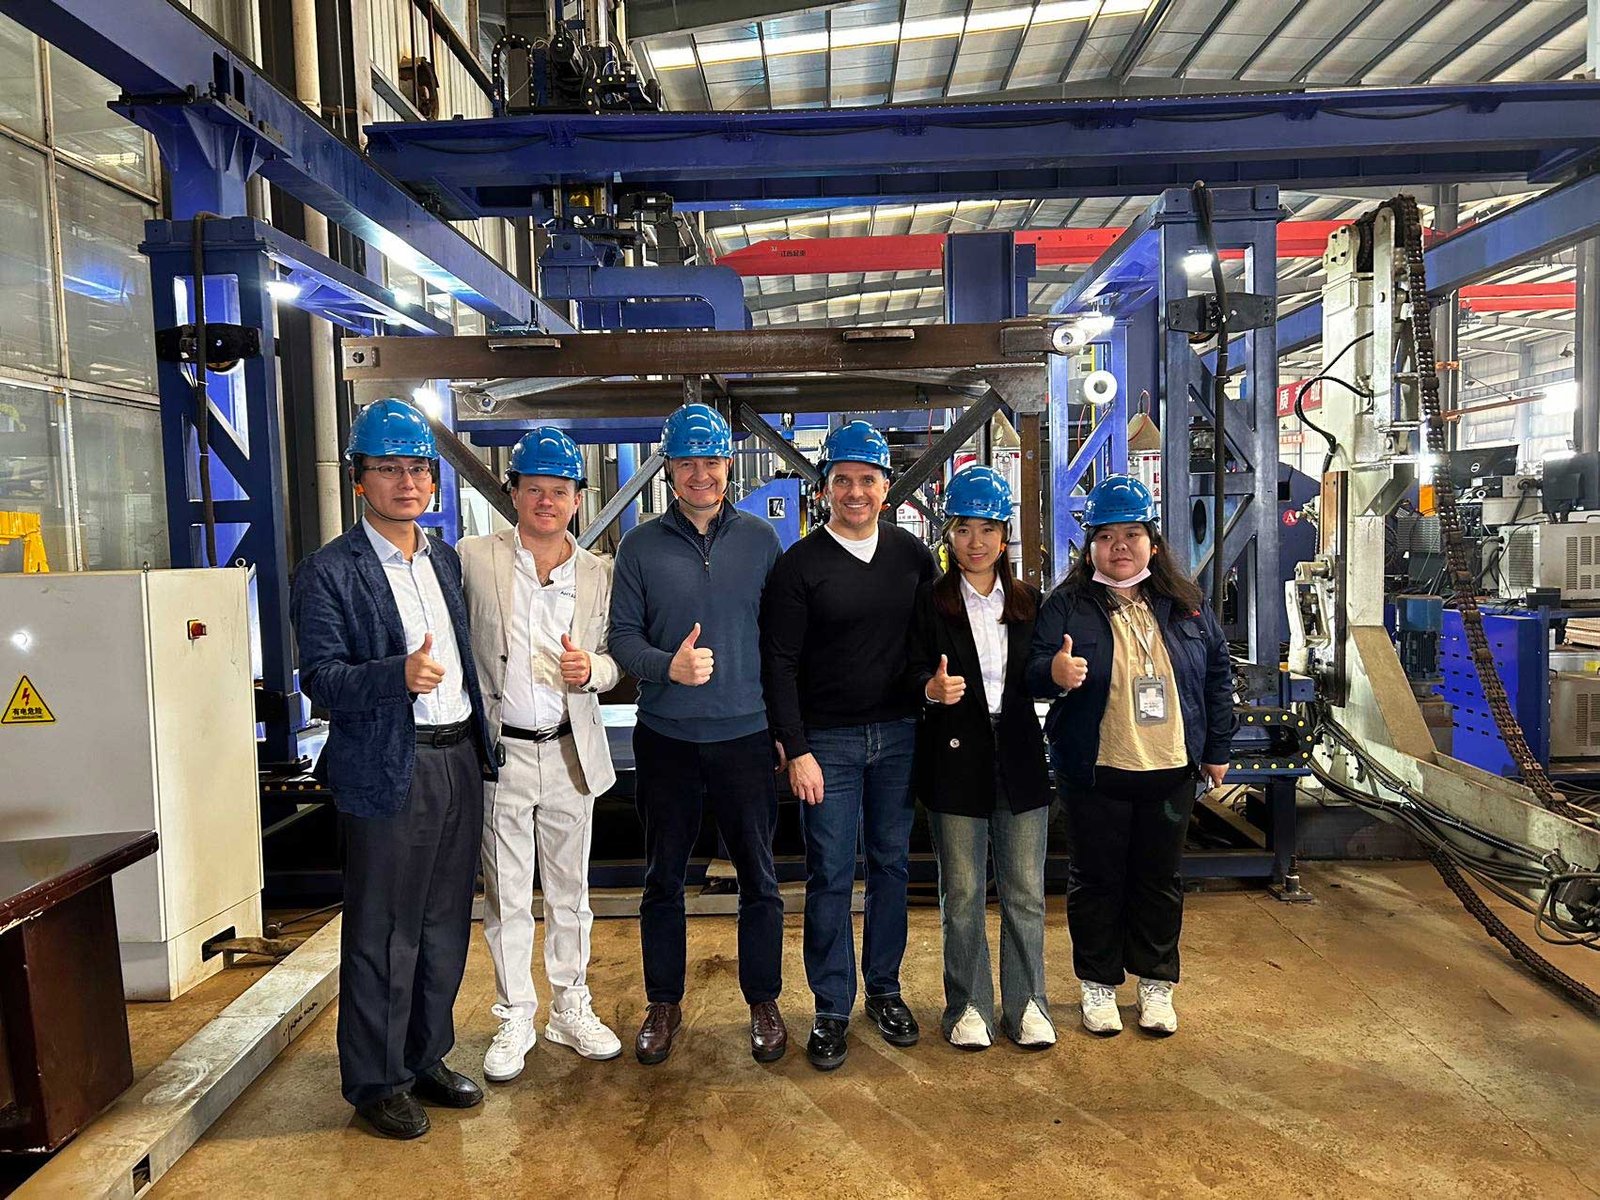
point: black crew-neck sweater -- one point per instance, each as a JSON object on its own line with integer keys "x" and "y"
{"x": 833, "y": 634}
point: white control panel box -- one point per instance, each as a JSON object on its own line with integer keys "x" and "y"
{"x": 131, "y": 707}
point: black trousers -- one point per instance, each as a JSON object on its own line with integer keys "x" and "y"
{"x": 408, "y": 884}
{"x": 1124, "y": 888}
{"x": 677, "y": 780}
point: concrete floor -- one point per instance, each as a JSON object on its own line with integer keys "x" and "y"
{"x": 1371, "y": 1044}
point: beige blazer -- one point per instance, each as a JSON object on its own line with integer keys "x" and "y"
{"x": 487, "y": 566}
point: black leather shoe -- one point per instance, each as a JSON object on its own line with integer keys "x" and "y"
{"x": 894, "y": 1020}
{"x": 826, "y": 1047}
{"x": 446, "y": 1088}
{"x": 396, "y": 1116}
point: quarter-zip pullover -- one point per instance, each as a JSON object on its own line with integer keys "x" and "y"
{"x": 667, "y": 579}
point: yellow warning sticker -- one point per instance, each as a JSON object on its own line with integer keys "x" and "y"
{"x": 27, "y": 707}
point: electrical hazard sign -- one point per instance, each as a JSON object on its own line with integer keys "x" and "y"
{"x": 27, "y": 707}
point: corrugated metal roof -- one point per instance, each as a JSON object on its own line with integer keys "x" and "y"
{"x": 920, "y": 51}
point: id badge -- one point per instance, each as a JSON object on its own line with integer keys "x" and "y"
{"x": 1150, "y": 699}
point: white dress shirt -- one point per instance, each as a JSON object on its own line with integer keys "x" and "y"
{"x": 422, "y": 611}
{"x": 534, "y": 696}
{"x": 983, "y": 614}
{"x": 862, "y": 548}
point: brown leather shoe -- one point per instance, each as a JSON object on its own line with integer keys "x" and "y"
{"x": 769, "y": 1037}
{"x": 656, "y": 1035}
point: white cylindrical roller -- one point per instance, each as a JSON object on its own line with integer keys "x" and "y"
{"x": 1099, "y": 387}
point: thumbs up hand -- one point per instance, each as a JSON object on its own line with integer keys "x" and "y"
{"x": 423, "y": 671}
{"x": 1066, "y": 668}
{"x": 945, "y": 688}
{"x": 574, "y": 663}
{"x": 691, "y": 665}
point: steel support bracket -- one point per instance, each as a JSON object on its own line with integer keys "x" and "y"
{"x": 1202, "y": 314}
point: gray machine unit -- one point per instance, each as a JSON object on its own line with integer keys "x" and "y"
{"x": 1565, "y": 557}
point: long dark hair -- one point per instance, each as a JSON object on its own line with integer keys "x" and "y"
{"x": 1165, "y": 578}
{"x": 1019, "y": 604}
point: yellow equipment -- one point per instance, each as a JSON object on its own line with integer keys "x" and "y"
{"x": 26, "y": 526}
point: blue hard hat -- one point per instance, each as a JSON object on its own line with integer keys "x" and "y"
{"x": 1118, "y": 499}
{"x": 855, "y": 442}
{"x": 391, "y": 429}
{"x": 547, "y": 451}
{"x": 978, "y": 492}
{"x": 696, "y": 431}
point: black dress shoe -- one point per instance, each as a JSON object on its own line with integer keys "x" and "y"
{"x": 826, "y": 1046}
{"x": 396, "y": 1116}
{"x": 449, "y": 1089}
{"x": 894, "y": 1020}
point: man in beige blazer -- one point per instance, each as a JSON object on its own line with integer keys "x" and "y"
{"x": 539, "y": 608}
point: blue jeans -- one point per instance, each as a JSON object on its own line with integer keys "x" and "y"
{"x": 866, "y": 781}
{"x": 962, "y": 845}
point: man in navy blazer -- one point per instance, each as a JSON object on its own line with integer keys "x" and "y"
{"x": 381, "y": 627}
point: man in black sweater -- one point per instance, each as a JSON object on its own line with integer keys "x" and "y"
{"x": 833, "y": 652}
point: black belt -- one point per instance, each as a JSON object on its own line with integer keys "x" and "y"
{"x": 536, "y": 735}
{"x": 444, "y": 735}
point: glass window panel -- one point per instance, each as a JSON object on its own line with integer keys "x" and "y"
{"x": 456, "y": 12}
{"x": 33, "y": 477}
{"x": 107, "y": 281}
{"x": 84, "y": 126}
{"x": 233, "y": 21}
{"x": 29, "y": 334}
{"x": 21, "y": 99}
{"x": 122, "y": 513}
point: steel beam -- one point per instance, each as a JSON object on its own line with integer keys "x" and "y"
{"x": 1305, "y": 140}
{"x": 470, "y": 469}
{"x": 217, "y": 118}
{"x": 713, "y": 352}
{"x": 625, "y": 495}
{"x": 961, "y": 431}
{"x": 778, "y": 444}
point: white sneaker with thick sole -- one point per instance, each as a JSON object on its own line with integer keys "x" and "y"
{"x": 970, "y": 1033}
{"x": 1100, "y": 1015}
{"x": 586, "y": 1033}
{"x": 1156, "y": 1014}
{"x": 504, "y": 1059}
{"x": 1034, "y": 1031}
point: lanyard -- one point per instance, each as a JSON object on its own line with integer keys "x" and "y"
{"x": 1142, "y": 628}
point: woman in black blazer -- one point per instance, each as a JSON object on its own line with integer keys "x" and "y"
{"x": 980, "y": 769}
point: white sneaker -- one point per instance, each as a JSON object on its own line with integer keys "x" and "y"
{"x": 504, "y": 1059}
{"x": 1156, "y": 1014}
{"x": 584, "y": 1032}
{"x": 970, "y": 1033}
{"x": 1034, "y": 1031}
{"x": 1100, "y": 1015}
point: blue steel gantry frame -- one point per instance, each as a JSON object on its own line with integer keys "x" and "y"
{"x": 218, "y": 121}
{"x": 1388, "y": 137}
{"x": 1135, "y": 282}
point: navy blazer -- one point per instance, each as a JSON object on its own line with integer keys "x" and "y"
{"x": 958, "y": 749}
{"x": 1199, "y": 654}
{"x": 352, "y": 650}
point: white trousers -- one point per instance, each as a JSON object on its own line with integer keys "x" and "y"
{"x": 538, "y": 814}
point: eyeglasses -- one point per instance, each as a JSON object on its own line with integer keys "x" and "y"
{"x": 417, "y": 471}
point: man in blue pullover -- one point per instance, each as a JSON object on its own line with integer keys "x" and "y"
{"x": 685, "y": 611}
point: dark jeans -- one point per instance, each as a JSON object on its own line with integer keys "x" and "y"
{"x": 408, "y": 885}
{"x": 676, "y": 781}
{"x": 1124, "y": 889}
{"x": 866, "y": 782}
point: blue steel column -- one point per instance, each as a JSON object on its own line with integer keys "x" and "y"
{"x": 1244, "y": 219}
{"x": 627, "y": 467}
{"x": 247, "y": 468}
